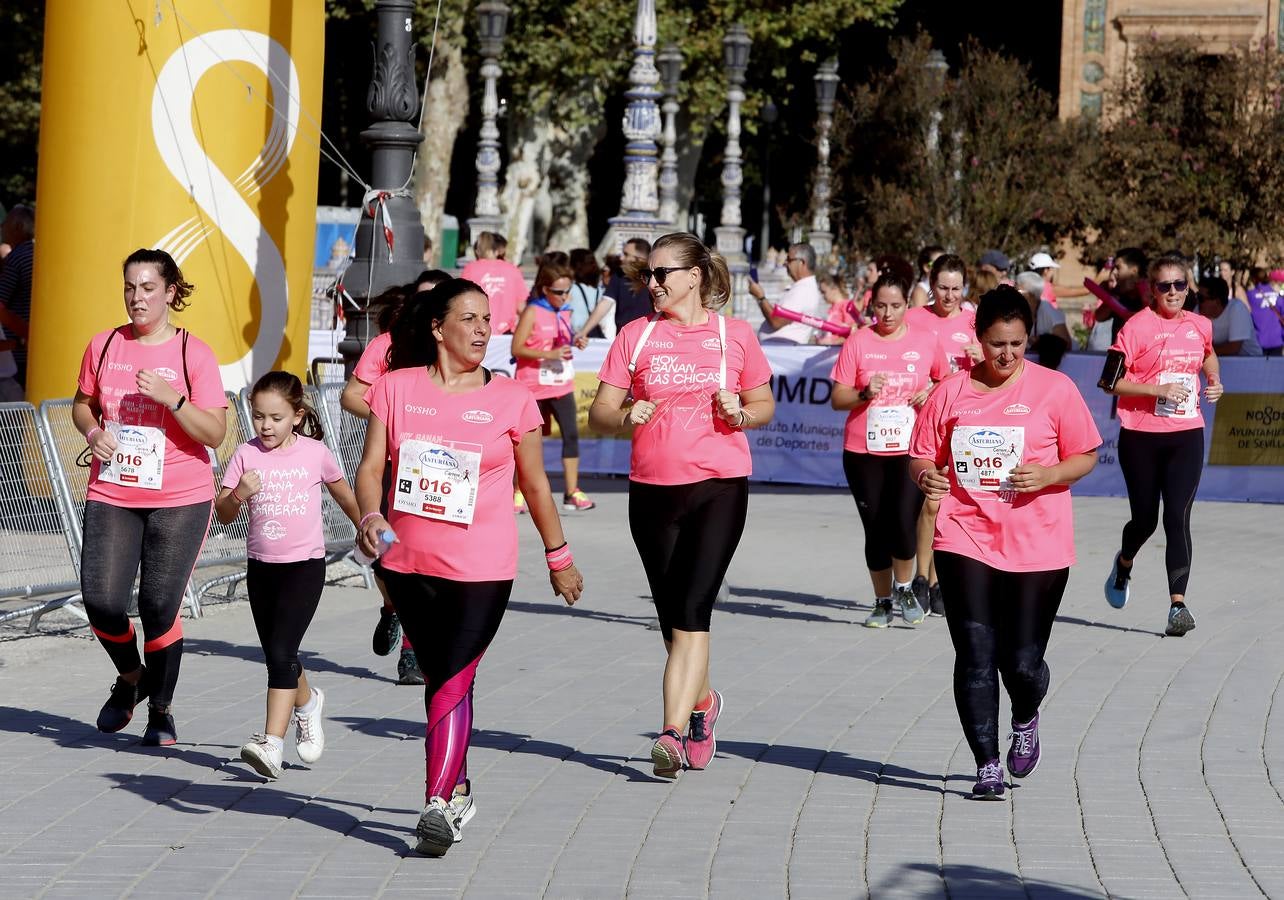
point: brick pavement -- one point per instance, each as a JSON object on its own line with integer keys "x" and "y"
{"x": 841, "y": 769}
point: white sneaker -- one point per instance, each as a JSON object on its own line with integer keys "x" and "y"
{"x": 462, "y": 809}
{"x": 436, "y": 830}
{"x": 309, "y": 739}
{"x": 262, "y": 756}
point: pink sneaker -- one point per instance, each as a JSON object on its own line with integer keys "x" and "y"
{"x": 700, "y": 741}
{"x": 667, "y": 754}
{"x": 577, "y": 501}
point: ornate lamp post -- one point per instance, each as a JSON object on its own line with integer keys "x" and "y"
{"x": 669, "y": 61}
{"x": 492, "y": 24}
{"x": 820, "y": 237}
{"x": 770, "y": 115}
{"x": 730, "y": 234}
{"x": 390, "y": 236}
{"x": 937, "y": 68}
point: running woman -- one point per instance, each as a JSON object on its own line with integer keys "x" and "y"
{"x": 277, "y": 477}
{"x": 697, "y": 380}
{"x": 955, "y": 328}
{"x": 883, "y": 375}
{"x": 543, "y": 344}
{"x": 1161, "y": 430}
{"x": 150, "y": 404}
{"x": 999, "y": 447}
{"x": 455, "y": 436}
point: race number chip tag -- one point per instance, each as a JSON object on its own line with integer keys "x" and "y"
{"x": 1185, "y": 409}
{"x": 438, "y": 481}
{"x": 984, "y": 457}
{"x": 139, "y": 460}
{"x": 889, "y": 428}
{"x": 556, "y": 372}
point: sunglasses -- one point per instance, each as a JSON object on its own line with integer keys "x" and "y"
{"x": 660, "y": 273}
{"x": 561, "y": 293}
{"x": 1164, "y": 287}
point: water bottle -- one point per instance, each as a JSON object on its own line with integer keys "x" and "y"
{"x": 387, "y": 538}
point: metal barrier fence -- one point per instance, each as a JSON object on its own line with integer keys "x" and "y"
{"x": 225, "y": 544}
{"x": 345, "y": 433}
{"x": 328, "y": 370}
{"x": 39, "y": 558}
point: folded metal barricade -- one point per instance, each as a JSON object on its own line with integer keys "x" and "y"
{"x": 39, "y": 552}
{"x": 328, "y": 370}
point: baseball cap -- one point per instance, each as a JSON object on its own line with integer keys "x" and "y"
{"x": 996, "y": 259}
{"x": 1043, "y": 261}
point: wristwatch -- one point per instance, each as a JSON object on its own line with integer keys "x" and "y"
{"x": 179, "y": 405}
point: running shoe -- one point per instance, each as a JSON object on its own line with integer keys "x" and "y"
{"x": 309, "y": 737}
{"x": 911, "y": 612}
{"x": 921, "y": 592}
{"x": 408, "y": 671}
{"x": 262, "y": 756}
{"x": 386, "y": 633}
{"x": 119, "y": 708}
{"x": 882, "y": 615}
{"x": 436, "y": 830}
{"x": 936, "y": 601}
{"x": 160, "y": 730}
{"x": 519, "y": 506}
{"x": 1180, "y": 621}
{"x": 1118, "y": 585}
{"x": 1023, "y": 754}
{"x": 701, "y": 744}
{"x": 577, "y": 500}
{"x": 462, "y": 809}
{"x": 989, "y": 782}
{"x": 667, "y": 754}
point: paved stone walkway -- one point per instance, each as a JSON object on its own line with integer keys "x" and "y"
{"x": 841, "y": 769}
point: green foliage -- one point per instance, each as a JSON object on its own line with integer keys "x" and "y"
{"x": 21, "y": 41}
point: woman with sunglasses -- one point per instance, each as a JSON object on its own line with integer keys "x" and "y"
{"x": 543, "y": 344}
{"x": 1161, "y": 430}
{"x": 698, "y": 380}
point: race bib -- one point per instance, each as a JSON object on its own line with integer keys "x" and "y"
{"x": 1187, "y": 408}
{"x": 556, "y": 372}
{"x": 139, "y": 460}
{"x": 984, "y": 457}
{"x": 889, "y": 428}
{"x": 438, "y": 481}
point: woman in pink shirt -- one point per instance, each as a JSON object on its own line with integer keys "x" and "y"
{"x": 543, "y": 345}
{"x": 883, "y": 375}
{"x": 277, "y": 477}
{"x": 840, "y": 309}
{"x": 697, "y": 381}
{"x": 1161, "y": 430}
{"x": 455, "y": 437}
{"x": 999, "y": 447}
{"x": 150, "y": 404}
{"x": 500, "y": 279}
{"x": 955, "y": 328}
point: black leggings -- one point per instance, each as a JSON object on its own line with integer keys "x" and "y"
{"x": 563, "y": 410}
{"x": 1162, "y": 465}
{"x": 159, "y": 545}
{"x": 686, "y": 535}
{"x": 888, "y": 502}
{"x": 283, "y": 600}
{"x": 1000, "y": 623}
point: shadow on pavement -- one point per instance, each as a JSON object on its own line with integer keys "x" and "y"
{"x": 796, "y": 597}
{"x": 1088, "y": 623}
{"x": 830, "y": 762}
{"x": 311, "y": 661}
{"x": 574, "y": 612}
{"x": 980, "y": 882}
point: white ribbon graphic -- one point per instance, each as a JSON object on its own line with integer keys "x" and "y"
{"x": 224, "y": 202}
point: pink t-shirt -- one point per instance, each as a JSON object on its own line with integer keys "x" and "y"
{"x": 495, "y": 417}
{"x": 1003, "y": 529}
{"x": 685, "y": 441}
{"x": 374, "y": 359}
{"x": 549, "y": 330}
{"x": 186, "y": 476}
{"x": 911, "y": 363}
{"x": 838, "y": 315}
{"x": 285, "y": 515}
{"x": 504, "y": 285}
{"x": 1153, "y": 346}
{"x": 954, "y": 332}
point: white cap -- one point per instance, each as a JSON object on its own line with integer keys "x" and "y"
{"x": 1043, "y": 261}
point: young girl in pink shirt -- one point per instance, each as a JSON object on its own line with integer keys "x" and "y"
{"x": 277, "y": 477}
{"x": 999, "y": 447}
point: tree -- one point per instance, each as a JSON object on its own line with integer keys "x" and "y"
{"x": 21, "y": 40}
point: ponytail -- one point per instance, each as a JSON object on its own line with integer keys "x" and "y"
{"x": 690, "y": 251}
{"x": 413, "y": 343}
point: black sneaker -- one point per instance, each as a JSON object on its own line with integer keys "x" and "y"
{"x": 386, "y": 633}
{"x": 408, "y": 668}
{"x": 160, "y": 728}
{"x": 1180, "y": 621}
{"x": 936, "y": 601}
{"x": 919, "y": 587}
{"x": 119, "y": 708}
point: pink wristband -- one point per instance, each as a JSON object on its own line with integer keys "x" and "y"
{"x": 89, "y": 438}
{"x": 559, "y": 558}
{"x": 366, "y": 518}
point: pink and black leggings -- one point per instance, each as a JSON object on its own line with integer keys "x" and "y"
{"x": 450, "y": 623}
{"x": 160, "y": 546}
